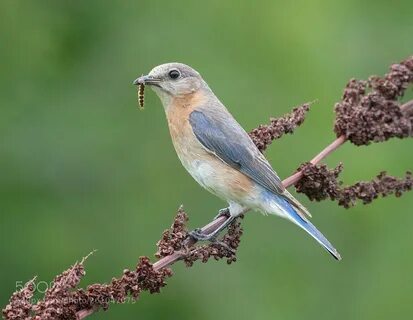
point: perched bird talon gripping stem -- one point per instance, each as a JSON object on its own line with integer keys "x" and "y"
{"x": 222, "y": 213}
{"x": 198, "y": 235}
{"x": 219, "y": 154}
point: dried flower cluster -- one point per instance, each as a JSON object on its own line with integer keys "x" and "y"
{"x": 369, "y": 110}
{"x": 20, "y": 305}
{"x": 319, "y": 183}
{"x": 57, "y": 303}
{"x": 58, "y": 299}
{"x": 173, "y": 238}
{"x": 176, "y": 239}
{"x": 265, "y": 134}
{"x": 64, "y": 301}
{"x": 224, "y": 248}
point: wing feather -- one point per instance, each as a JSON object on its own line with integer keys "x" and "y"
{"x": 228, "y": 141}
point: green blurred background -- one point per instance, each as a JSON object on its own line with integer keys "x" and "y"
{"x": 82, "y": 169}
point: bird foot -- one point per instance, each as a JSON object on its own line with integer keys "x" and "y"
{"x": 198, "y": 235}
{"x": 222, "y": 212}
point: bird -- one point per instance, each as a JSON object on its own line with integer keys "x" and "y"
{"x": 219, "y": 154}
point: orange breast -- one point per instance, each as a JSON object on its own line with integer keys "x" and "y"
{"x": 186, "y": 144}
{"x": 207, "y": 169}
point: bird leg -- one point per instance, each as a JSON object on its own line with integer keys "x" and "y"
{"x": 198, "y": 235}
{"x": 222, "y": 212}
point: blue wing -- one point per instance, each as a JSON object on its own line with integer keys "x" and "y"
{"x": 225, "y": 138}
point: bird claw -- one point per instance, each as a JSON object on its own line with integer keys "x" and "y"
{"x": 222, "y": 212}
{"x": 198, "y": 235}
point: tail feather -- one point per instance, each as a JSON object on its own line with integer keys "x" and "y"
{"x": 306, "y": 225}
{"x": 301, "y": 210}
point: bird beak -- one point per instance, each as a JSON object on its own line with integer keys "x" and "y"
{"x": 146, "y": 80}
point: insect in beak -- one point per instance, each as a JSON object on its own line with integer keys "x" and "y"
{"x": 141, "y": 82}
{"x": 141, "y": 95}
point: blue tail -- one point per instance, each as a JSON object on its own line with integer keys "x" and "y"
{"x": 309, "y": 227}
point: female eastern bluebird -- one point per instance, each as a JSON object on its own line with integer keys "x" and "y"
{"x": 218, "y": 153}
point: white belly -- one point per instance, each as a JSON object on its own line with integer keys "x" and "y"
{"x": 206, "y": 175}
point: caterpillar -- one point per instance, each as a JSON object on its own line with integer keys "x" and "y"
{"x": 141, "y": 95}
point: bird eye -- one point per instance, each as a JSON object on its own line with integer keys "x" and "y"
{"x": 174, "y": 74}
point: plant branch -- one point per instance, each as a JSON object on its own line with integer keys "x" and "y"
{"x": 293, "y": 179}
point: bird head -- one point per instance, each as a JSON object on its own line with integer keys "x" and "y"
{"x": 171, "y": 80}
